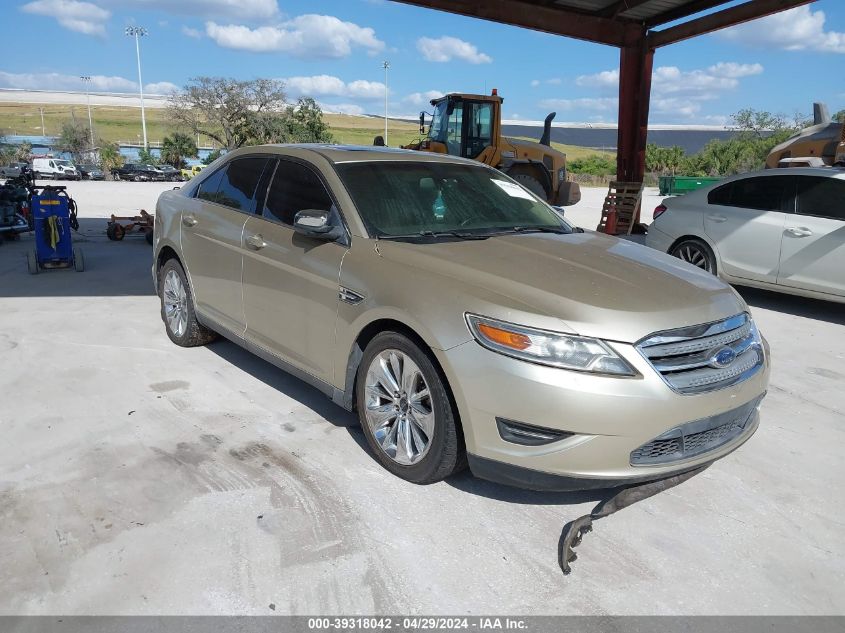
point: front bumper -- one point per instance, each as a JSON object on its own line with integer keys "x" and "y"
{"x": 609, "y": 418}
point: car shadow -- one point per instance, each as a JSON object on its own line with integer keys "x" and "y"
{"x": 320, "y": 404}
{"x": 794, "y": 305}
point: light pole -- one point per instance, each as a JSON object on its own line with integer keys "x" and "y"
{"x": 138, "y": 32}
{"x": 86, "y": 79}
{"x": 386, "y": 65}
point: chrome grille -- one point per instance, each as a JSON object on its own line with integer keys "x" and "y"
{"x": 695, "y": 438}
{"x": 706, "y": 357}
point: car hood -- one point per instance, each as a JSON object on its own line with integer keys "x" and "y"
{"x": 585, "y": 283}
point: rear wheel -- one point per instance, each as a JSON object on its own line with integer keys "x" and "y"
{"x": 177, "y": 308}
{"x": 406, "y": 412}
{"x": 532, "y": 184}
{"x": 32, "y": 263}
{"x": 78, "y": 259}
{"x": 697, "y": 253}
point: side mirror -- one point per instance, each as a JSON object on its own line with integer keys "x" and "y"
{"x": 422, "y": 123}
{"x": 315, "y": 224}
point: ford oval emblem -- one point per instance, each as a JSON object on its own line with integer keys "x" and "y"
{"x": 723, "y": 358}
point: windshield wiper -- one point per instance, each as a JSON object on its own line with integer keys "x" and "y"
{"x": 559, "y": 230}
{"x": 459, "y": 234}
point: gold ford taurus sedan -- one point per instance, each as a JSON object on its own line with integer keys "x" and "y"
{"x": 460, "y": 316}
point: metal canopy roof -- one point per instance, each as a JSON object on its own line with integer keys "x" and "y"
{"x": 619, "y": 23}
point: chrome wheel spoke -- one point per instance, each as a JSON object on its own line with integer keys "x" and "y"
{"x": 398, "y": 407}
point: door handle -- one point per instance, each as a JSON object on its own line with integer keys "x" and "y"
{"x": 189, "y": 220}
{"x": 799, "y": 231}
{"x": 717, "y": 218}
{"x": 256, "y": 241}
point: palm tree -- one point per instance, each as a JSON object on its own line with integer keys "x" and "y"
{"x": 176, "y": 148}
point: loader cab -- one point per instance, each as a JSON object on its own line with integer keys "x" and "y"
{"x": 465, "y": 126}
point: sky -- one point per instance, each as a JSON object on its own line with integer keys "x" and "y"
{"x": 333, "y": 50}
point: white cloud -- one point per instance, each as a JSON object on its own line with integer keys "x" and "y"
{"x": 553, "y": 82}
{"x": 798, "y": 29}
{"x": 99, "y": 83}
{"x": 535, "y": 83}
{"x": 604, "y": 79}
{"x": 342, "y": 108}
{"x": 330, "y": 86}
{"x": 734, "y": 70}
{"x": 584, "y": 103}
{"x": 308, "y": 36}
{"x": 191, "y": 32}
{"x": 422, "y": 98}
{"x": 161, "y": 88}
{"x": 241, "y": 9}
{"x": 82, "y": 17}
{"x": 446, "y": 48}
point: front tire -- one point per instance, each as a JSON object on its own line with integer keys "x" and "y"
{"x": 177, "y": 308}
{"x": 532, "y": 184}
{"x": 697, "y": 253}
{"x": 406, "y": 412}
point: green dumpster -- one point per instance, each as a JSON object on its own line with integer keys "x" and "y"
{"x": 679, "y": 185}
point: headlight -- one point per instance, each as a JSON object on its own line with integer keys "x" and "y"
{"x": 548, "y": 348}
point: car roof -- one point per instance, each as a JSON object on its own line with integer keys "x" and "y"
{"x": 364, "y": 153}
{"x": 826, "y": 172}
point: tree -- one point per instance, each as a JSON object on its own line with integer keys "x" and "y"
{"x": 213, "y": 156}
{"x": 594, "y": 165}
{"x": 74, "y": 138}
{"x": 110, "y": 156}
{"x": 146, "y": 157}
{"x": 176, "y": 147}
{"x": 23, "y": 153}
{"x": 225, "y": 109}
{"x": 299, "y": 123}
{"x": 839, "y": 116}
{"x": 759, "y": 122}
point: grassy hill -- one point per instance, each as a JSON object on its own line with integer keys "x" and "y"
{"x": 116, "y": 123}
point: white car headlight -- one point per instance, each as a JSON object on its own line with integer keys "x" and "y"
{"x": 566, "y": 351}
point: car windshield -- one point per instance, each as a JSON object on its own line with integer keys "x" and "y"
{"x": 408, "y": 199}
{"x": 63, "y": 163}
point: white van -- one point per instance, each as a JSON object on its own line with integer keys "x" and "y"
{"x": 57, "y": 168}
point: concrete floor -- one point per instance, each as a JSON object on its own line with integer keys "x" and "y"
{"x": 137, "y": 477}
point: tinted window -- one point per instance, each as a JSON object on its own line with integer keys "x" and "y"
{"x": 721, "y": 195}
{"x": 823, "y": 197}
{"x": 766, "y": 193}
{"x": 295, "y": 187}
{"x": 235, "y": 184}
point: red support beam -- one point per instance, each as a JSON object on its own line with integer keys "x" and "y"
{"x": 555, "y": 19}
{"x": 721, "y": 19}
{"x": 635, "y": 67}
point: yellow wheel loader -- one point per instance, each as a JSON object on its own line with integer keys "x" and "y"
{"x": 823, "y": 143}
{"x": 470, "y": 126}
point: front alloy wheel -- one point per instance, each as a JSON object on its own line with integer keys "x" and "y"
{"x": 406, "y": 411}
{"x": 398, "y": 407}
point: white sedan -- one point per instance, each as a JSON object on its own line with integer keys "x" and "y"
{"x": 780, "y": 229}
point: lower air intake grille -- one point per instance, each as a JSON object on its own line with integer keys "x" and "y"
{"x": 694, "y": 438}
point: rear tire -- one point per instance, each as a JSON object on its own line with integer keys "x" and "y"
{"x": 532, "y": 184}
{"x": 78, "y": 259}
{"x": 177, "y": 308}
{"x": 697, "y": 253}
{"x": 32, "y": 263}
{"x": 414, "y": 434}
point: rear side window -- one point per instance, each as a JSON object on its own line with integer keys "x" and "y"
{"x": 822, "y": 197}
{"x": 234, "y": 185}
{"x": 295, "y": 187}
{"x": 721, "y": 195}
{"x": 764, "y": 193}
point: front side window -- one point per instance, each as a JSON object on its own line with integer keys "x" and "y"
{"x": 822, "y": 197}
{"x": 428, "y": 199}
{"x": 234, "y": 185}
{"x": 294, "y": 188}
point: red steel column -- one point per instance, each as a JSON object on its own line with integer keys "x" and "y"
{"x": 635, "y": 66}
